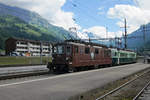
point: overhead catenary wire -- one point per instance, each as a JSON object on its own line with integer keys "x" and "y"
{"x": 85, "y": 10}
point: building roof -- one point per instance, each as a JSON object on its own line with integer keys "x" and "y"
{"x": 28, "y": 40}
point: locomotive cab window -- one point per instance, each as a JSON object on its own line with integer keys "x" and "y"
{"x": 96, "y": 51}
{"x": 87, "y": 50}
{"x": 68, "y": 50}
{"x": 59, "y": 49}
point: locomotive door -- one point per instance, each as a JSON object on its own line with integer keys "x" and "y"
{"x": 76, "y": 55}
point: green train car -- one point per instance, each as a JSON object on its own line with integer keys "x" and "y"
{"x": 122, "y": 56}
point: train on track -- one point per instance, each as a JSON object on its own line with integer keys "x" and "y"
{"x": 75, "y": 55}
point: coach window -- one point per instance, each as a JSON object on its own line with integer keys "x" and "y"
{"x": 96, "y": 51}
{"x": 76, "y": 49}
{"x": 115, "y": 53}
{"x": 87, "y": 50}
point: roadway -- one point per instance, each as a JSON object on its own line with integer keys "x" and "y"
{"x": 62, "y": 87}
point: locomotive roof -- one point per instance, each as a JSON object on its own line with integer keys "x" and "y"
{"x": 79, "y": 42}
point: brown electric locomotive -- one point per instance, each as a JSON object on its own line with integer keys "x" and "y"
{"x": 73, "y": 55}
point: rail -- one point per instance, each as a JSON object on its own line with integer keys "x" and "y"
{"x": 139, "y": 94}
{"x": 120, "y": 87}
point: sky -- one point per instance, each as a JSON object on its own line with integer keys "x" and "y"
{"x": 96, "y": 16}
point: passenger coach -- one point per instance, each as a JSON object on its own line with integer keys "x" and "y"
{"x": 120, "y": 56}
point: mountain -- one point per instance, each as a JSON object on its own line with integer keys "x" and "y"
{"x": 11, "y": 26}
{"x": 33, "y": 20}
{"x": 99, "y": 39}
{"x": 138, "y": 43}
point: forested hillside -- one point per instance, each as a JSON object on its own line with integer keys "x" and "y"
{"x": 11, "y": 26}
{"x": 21, "y": 23}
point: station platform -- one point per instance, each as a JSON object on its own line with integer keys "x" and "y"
{"x": 62, "y": 87}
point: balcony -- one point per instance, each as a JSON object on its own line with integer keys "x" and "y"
{"x": 34, "y": 50}
{"x": 21, "y": 45}
{"x": 21, "y": 49}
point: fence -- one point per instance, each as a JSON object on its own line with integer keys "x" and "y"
{"x": 17, "y": 60}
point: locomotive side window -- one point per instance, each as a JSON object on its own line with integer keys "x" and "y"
{"x": 76, "y": 49}
{"x": 96, "y": 51}
{"x": 107, "y": 53}
{"x": 87, "y": 50}
{"x": 81, "y": 50}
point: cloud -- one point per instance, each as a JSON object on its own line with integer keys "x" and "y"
{"x": 49, "y": 9}
{"x": 143, "y": 4}
{"x": 97, "y": 30}
{"x": 135, "y": 16}
{"x": 101, "y": 11}
{"x": 100, "y": 32}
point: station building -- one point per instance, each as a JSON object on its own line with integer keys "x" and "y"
{"x": 27, "y": 47}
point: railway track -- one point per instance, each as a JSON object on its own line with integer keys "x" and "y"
{"x": 144, "y": 94}
{"x": 131, "y": 90}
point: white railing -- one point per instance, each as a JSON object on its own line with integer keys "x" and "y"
{"x": 21, "y": 49}
{"x": 22, "y": 45}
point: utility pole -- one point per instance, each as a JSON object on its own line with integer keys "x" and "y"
{"x": 107, "y": 35}
{"x": 125, "y": 36}
{"x": 74, "y": 31}
{"x": 144, "y": 43}
{"x": 144, "y": 35}
{"x": 41, "y": 50}
{"x": 106, "y": 32}
{"x": 117, "y": 42}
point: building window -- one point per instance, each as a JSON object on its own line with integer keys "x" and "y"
{"x": 87, "y": 50}
{"x": 18, "y": 42}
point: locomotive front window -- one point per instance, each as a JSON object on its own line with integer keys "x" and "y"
{"x": 59, "y": 49}
{"x": 68, "y": 49}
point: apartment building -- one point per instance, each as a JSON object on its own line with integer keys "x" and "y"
{"x": 27, "y": 47}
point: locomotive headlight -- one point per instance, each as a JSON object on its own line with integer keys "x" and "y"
{"x": 67, "y": 58}
{"x": 70, "y": 63}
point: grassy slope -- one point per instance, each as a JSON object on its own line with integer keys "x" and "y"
{"x": 11, "y": 26}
